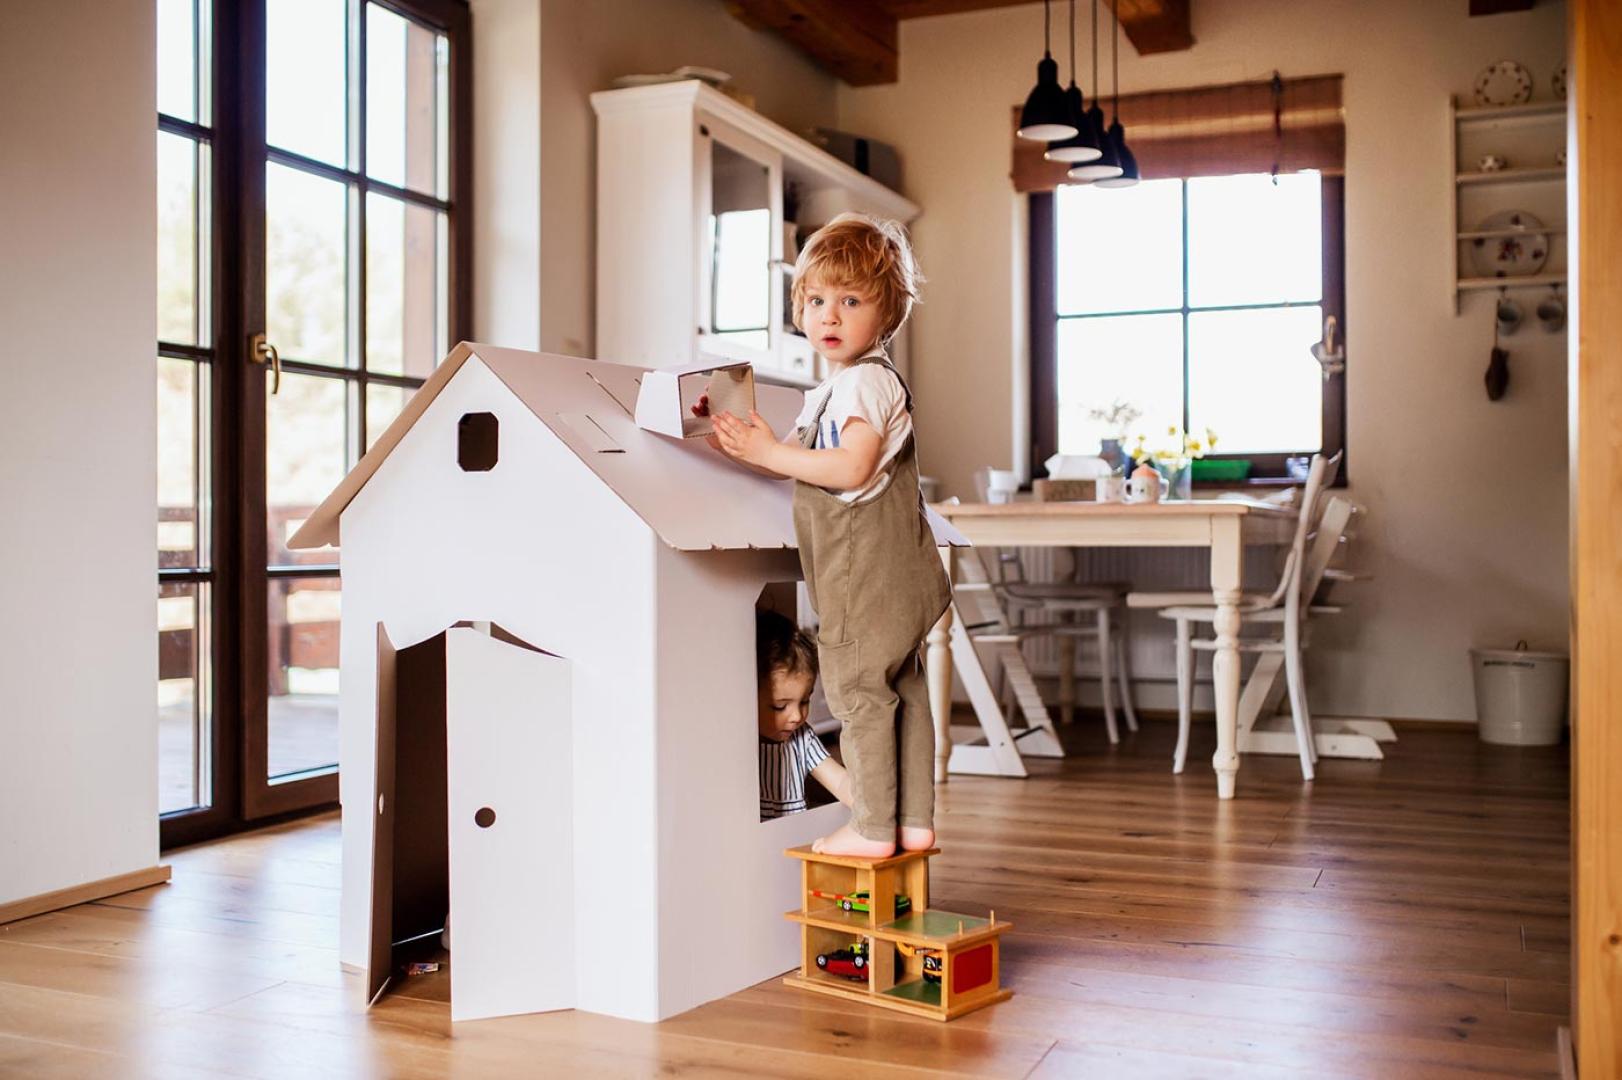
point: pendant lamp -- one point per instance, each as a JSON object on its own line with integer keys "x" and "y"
{"x": 1045, "y": 116}
{"x": 1117, "y": 134}
{"x": 1106, "y": 167}
{"x": 1081, "y": 146}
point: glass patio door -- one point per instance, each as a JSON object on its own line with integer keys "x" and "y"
{"x": 313, "y": 260}
{"x": 348, "y": 311}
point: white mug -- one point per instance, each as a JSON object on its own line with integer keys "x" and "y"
{"x": 1107, "y": 489}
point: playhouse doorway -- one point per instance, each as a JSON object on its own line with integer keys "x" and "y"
{"x": 473, "y": 816}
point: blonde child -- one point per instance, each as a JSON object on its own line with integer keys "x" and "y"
{"x": 869, "y": 557}
{"x": 786, "y": 666}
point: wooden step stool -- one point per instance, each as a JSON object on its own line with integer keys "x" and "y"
{"x": 949, "y": 964}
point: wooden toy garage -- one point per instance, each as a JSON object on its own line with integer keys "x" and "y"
{"x": 868, "y": 934}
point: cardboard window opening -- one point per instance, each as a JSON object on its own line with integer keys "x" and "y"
{"x": 664, "y": 404}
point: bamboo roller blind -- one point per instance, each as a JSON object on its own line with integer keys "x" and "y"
{"x": 1244, "y": 127}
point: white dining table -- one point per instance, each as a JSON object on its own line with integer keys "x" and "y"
{"x": 1223, "y": 525}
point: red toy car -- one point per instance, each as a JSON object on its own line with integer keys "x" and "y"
{"x": 851, "y": 962}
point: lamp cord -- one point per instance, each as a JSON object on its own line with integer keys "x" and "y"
{"x": 1095, "y": 50}
{"x": 1047, "y": 35}
{"x": 1115, "y": 62}
{"x": 1072, "y": 42}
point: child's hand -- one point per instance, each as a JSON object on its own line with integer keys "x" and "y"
{"x": 750, "y": 441}
{"x": 702, "y": 406}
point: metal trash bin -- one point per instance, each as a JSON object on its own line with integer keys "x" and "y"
{"x": 1521, "y": 695}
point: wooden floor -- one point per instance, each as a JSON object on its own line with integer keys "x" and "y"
{"x": 1400, "y": 919}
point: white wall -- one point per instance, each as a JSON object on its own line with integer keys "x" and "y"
{"x": 1466, "y": 531}
{"x": 582, "y": 48}
{"x": 78, "y": 326}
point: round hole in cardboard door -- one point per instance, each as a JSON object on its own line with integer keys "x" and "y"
{"x": 484, "y": 817}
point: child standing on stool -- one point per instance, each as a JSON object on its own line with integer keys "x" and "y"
{"x": 870, "y": 560}
{"x": 786, "y": 665}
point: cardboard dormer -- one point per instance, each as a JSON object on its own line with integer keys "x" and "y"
{"x": 667, "y": 397}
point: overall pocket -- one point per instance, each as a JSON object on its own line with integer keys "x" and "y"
{"x": 841, "y": 675}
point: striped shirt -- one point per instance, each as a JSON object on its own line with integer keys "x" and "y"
{"x": 783, "y": 769}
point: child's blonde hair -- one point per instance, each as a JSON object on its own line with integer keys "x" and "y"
{"x": 858, "y": 251}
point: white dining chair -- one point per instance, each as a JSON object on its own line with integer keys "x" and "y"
{"x": 1070, "y": 603}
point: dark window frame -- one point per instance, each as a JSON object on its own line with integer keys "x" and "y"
{"x": 238, "y": 573}
{"x": 1044, "y": 326}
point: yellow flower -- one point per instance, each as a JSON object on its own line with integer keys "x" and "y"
{"x": 1172, "y": 430}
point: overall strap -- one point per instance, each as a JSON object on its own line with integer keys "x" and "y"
{"x": 816, "y": 420}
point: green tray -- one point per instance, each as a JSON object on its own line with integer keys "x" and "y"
{"x": 1225, "y": 469}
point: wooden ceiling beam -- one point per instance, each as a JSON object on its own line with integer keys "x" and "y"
{"x": 1498, "y": 7}
{"x": 853, "y": 39}
{"x": 857, "y": 39}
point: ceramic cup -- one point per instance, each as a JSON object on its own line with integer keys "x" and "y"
{"x": 1509, "y": 316}
{"x": 1144, "y": 487}
{"x": 1551, "y": 312}
{"x": 1001, "y": 485}
{"x": 1492, "y": 162}
{"x": 1109, "y": 489}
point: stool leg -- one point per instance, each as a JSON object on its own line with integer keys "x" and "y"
{"x": 1185, "y": 693}
{"x": 1105, "y": 682}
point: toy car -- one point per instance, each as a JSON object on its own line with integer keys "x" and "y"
{"x": 931, "y": 957}
{"x": 851, "y": 962}
{"x": 857, "y": 901}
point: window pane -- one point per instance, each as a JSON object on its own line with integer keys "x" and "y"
{"x": 1120, "y": 249}
{"x": 1133, "y": 359}
{"x": 307, "y": 429}
{"x": 306, "y": 66}
{"x": 182, "y": 399}
{"x": 1251, "y": 241}
{"x": 742, "y": 278}
{"x": 403, "y": 102}
{"x": 183, "y": 696}
{"x": 1252, "y": 380}
{"x": 404, "y": 267}
{"x": 305, "y": 279}
{"x": 177, "y": 66}
{"x": 177, "y": 239}
{"x": 303, "y": 707}
{"x": 383, "y": 404}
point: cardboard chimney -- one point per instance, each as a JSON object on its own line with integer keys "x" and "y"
{"x": 547, "y": 700}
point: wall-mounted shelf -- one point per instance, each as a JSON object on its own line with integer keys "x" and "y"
{"x": 1529, "y": 138}
{"x": 1526, "y": 281}
{"x": 1531, "y": 174}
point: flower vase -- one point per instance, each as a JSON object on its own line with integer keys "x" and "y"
{"x": 1110, "y": 450}
{"x": 1179, "y": 480}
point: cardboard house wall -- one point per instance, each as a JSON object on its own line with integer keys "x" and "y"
{"x": 638, "y": 560}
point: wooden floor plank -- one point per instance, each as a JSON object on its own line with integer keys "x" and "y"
{"x": 1400, "y": 918}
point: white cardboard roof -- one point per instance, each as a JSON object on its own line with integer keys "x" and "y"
{"x": 691, "y": 497}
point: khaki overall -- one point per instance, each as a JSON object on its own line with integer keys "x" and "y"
{"x": 877, "y": 586}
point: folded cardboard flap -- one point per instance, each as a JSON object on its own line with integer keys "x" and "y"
{"x": 664, "y": 403}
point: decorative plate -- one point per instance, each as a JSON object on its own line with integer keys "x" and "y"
{"x": 1516, "y": 255}
{"x": 1504, "y": 83}
{"x": 1557, "y": 82}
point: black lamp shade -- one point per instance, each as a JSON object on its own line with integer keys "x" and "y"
{"x": 1106, "y": 167}
{"x": 1123, "y": 156}
{"x": 1081, "y": 146}
{"x": 1045, "y": 116}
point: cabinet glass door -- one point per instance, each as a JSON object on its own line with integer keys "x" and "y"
{"x": 738, "y": 302}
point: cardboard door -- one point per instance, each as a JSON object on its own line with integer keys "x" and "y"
{"x": 381, "y": 924}
{"x": 510, "y": 811}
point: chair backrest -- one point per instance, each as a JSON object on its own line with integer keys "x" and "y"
{"x": 1320, "y": 474}
{"x": 1332, "y": 524}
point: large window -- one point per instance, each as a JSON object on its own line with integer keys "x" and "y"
{"x": 1195, "y": 303}
{"x": 313, "y": 258}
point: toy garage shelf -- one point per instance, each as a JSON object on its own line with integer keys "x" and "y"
{"x": 869, "y": 935}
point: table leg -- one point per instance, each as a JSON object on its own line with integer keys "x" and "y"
{"x": 939, "y": 664}
{"x": 1227, "y": 571}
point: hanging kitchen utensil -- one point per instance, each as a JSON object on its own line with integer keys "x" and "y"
{"x": 1497, "y": 377}
{"x": 1330, "y": 357}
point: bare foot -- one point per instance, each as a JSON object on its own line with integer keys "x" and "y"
{"x": 916, "y": 839}
{"x": 847, "y": 841}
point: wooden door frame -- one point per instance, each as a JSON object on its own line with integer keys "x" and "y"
{"x": 1594, "y": 139}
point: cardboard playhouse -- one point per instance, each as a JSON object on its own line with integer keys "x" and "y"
{"x": 548, "y": 696}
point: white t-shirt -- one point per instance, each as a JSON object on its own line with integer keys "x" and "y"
{"x": 868, "y": 390}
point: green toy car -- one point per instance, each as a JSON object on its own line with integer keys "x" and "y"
{"x": 858, "y": 901}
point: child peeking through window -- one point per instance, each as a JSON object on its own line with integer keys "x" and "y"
{"x": 786, "y": 665}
